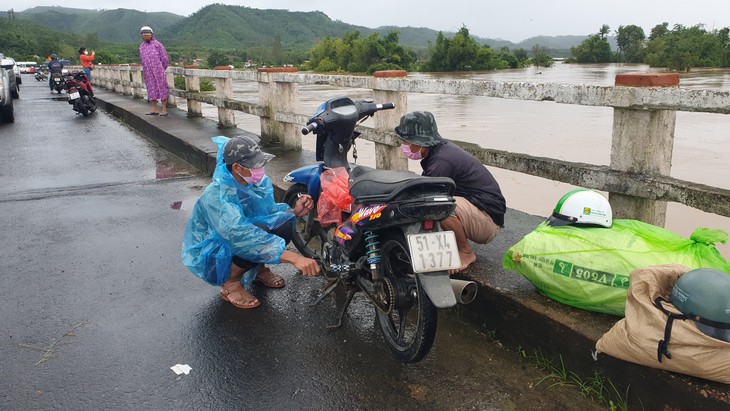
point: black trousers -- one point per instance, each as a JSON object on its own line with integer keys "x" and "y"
{"x": 284, "y": 231}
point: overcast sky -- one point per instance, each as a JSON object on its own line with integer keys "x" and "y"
{"x": 513, "y": 20}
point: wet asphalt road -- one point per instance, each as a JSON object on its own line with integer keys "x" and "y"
{"x": 96, "y": 306}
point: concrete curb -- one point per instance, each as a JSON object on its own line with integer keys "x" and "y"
{"x": 507, "y": 304}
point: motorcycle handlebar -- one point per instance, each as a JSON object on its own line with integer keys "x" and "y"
{"x": 309, "y": 128}
{"x": 386, "y": 106}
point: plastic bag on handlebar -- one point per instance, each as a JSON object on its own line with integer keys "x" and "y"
{"x": 335, "y": 197}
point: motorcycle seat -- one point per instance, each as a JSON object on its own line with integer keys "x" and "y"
{"x": 372, "y": 185}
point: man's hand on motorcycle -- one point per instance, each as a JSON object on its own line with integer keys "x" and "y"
{"x": 307, "y": 266}
{"x": 303, "y": 206}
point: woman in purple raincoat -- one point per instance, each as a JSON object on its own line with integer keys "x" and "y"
{"x": 154, "y": 59}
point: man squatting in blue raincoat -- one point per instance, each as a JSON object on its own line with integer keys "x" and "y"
{"x": 236, "y": 226}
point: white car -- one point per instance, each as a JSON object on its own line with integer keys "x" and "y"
{"x": 9, "y": 64}
{"x": 6, "y": 99}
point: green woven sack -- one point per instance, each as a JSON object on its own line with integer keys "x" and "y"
{"x": 590, "y": 268}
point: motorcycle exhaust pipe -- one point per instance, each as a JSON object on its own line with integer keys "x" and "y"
{"x": 464, "y": 291}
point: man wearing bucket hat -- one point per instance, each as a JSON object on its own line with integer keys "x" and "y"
{"x": 236, "y": 227}
{"x": 480, "y": 206}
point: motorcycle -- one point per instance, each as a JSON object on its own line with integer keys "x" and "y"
{"x": 389, "y": 245}
{"x": 57, "y": 82}
{"x": 80, "y": 93}
{"x": 39, "y": 75}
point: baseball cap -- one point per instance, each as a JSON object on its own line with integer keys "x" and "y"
{"x": 245, "y": 151}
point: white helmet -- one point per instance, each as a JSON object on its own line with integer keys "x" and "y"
{"x": 146, "y": 29}
{"x": 582, "y": 207}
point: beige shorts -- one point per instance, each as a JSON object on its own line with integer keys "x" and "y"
{"x": 478, "y": 225}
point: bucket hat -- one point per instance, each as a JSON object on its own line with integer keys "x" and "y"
{"x": 419, "y": 128}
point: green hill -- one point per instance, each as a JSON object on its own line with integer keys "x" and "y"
{"x": 116, "y": 26}
{"x": 220, "y": 27}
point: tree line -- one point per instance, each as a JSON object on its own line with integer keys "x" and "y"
{"x": 680, "y": 48}
{"x": 351, "y": 53}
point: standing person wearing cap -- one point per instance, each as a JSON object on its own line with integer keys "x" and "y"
{"x": 236, "y": 227}
{"x": 480, "y": 205}
{"x": 154, "y": 59}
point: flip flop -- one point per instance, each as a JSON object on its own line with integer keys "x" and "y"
{"x": 152, "y": 113}
{"x": 268, "y": 278}
{"x": 163, "y": 114}
{"x": 238, "y": 302}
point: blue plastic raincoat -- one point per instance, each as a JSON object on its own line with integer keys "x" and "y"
{"x": 223, "y": 221}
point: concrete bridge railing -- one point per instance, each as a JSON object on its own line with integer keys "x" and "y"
{"x": 645, "y": 107}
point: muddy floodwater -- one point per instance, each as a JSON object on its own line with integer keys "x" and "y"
{"x": 561, "y": 131}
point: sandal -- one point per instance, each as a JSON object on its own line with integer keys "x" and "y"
{"x": 163, "y": 114}
{"x": 241, "y": 301}
{"x": 268, "y": 278}
{"x": 152, "y": 113}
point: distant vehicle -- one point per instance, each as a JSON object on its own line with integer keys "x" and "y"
{"x": 9, "y": 64}
{"x": 27, "y": 67}
{"x": 7, "y": 115}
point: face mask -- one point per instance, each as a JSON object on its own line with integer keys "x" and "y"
{"x": 257, "y": 174}
{"x": 406, "y": 149}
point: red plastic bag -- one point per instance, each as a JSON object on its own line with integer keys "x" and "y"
{"x": 335, "y": 197}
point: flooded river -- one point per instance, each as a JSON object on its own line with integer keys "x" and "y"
{"x": 547, "y": 129}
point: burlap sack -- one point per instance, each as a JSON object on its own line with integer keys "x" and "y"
{"x": 636, "y": 337}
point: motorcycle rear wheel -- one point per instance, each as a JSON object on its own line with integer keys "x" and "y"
{"x": 409, "y": 329}
{"x": 89, "y": 103}
{"x": 80, "y": 107}
{"x": 307, "y": 239}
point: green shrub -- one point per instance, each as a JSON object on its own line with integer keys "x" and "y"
{"x": 206, "y": 84}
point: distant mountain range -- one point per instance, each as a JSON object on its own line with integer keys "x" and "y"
{"x": 235, "y": 27}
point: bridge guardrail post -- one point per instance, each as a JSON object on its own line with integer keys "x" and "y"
{"x": 389, "y": 157}
{"x": 106, "y": 81}
{"x": 278, "y": 96}
{"x": 119, "y": 80}
{"x": 126, "y": 81}
{"x": 137, "y": 89}
{"x": 224, "y": 90}
{"x": 642, "y": 143}
{"x": 192, "y": 85}
{"x": 170, "y": 77}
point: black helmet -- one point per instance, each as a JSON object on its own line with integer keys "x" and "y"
{"x": 54, "y": 56}
{"x": 704, "y": 296}
{"x": 419, "y": 128}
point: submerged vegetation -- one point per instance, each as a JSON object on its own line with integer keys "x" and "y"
{"x": 680, "y": 48}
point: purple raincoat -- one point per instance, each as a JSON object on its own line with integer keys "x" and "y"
{"x": 154, "y": 59}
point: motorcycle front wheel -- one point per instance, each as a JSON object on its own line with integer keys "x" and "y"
{"x": 409, "y": 328}
{"x": 307, "y": 236}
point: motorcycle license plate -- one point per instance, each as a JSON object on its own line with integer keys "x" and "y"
{"x": 73, "y": 95}
{"x": 434, "y": 251}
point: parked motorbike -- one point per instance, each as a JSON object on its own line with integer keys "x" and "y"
{"x": 40, "y": 76}
{"x": 57, "y": 82}
{"x": 390, "y": 244}
{"x": 80, "y": 93}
